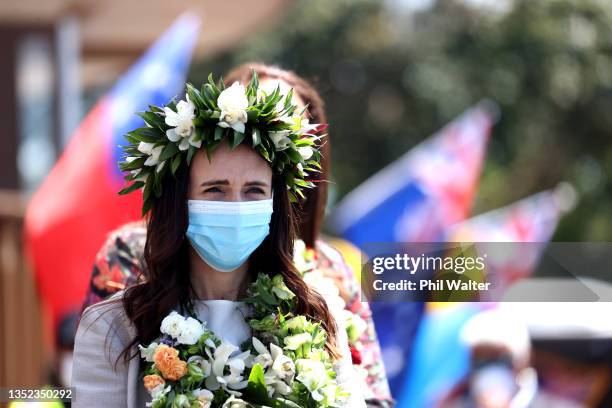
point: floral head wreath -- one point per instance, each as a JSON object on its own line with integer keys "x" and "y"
{"x": 173, "y": 133}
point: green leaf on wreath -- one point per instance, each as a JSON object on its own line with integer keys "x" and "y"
{"x": 136, "y": 185}
{"x": 169, "y": 151}
{"x": 256, "y": 388}
{"x": 238, "y": 138}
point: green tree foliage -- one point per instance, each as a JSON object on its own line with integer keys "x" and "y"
{"x": 392, "y": 74}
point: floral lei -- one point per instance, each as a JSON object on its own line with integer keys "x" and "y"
{"x": 284, "y": 364}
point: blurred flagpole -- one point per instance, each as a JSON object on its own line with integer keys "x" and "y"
{"x": 69, "y": 216}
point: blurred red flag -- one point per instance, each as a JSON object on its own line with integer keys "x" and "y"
{"x": 531, "y": 221}
{"x": 77, "y": 205}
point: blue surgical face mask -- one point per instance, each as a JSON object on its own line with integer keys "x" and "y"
{"x": 225, "y": 233}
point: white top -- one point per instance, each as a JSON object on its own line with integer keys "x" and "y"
{"x": 226, "y": 318}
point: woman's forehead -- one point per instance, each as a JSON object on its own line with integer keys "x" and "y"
{"x": 235, "y": 165}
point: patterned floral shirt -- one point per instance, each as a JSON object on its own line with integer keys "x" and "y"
{"x": 120, "y": 261}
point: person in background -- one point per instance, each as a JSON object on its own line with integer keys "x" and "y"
{"x": 120, "y": 263}
{"x": 500, "y": 373}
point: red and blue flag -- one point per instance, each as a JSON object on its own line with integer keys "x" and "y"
{"x": 77, "y": 205}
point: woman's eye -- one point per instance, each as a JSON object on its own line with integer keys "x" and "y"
{"x": 213, "y": 190}
{"x": 255, "y": 190}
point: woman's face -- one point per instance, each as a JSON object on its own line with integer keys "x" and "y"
{"x": 238, "y": 174}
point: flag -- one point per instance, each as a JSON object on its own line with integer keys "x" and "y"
{"x": 426, "y": 190}
{"x": 439, "y": 360}
{"x": 77, "y": 204}
{"x": 414, "y": 199}
{"x": 533, "y": 219}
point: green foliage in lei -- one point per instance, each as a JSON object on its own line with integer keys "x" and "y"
{"x": 292, "y": 152}
{"x": 273, "y": 321}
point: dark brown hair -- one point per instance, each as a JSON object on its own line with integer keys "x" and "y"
{"x": 312, "y": 208}
{"x": 167, "y": 262}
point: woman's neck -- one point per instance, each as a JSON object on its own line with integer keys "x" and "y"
{"x": 209, "y": 283}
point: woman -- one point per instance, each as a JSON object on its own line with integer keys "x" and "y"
{"x": 120, "y": 261}
{"x": 219, "y": 171}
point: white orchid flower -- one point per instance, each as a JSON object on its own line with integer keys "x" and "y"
{"x": 264, "y": 360}
{"x": 236, "y": 366}
{"x": 183, "y": 130}
{"x": 205, "y": 397}
{"x": 234, "y": 380}
{"x": 306, "y": 126}
{"x": 283, "y": 367}
{"x": 276, "y": 387}
{"x": 280, "y": 139}
{"x": 150, "y": 150}
{"x": 139, "y": 176}
{"x": 313, "y": 375}
{"x": 158, "y": 393}
{"x": 297, "y": 340}
{"x": 233, "y": 402}
{"x": 233, "y": 103}
{"x": 148, "y": 352}
{"x": 201, "y": 362}
{"x": 221, "y": 355}
{"x": 305, "y": 152}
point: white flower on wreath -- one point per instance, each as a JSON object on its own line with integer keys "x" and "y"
{"x": 148, "y": 352}
{"x": 268, "y": 87}
{"x": 183, "y": 130}
{"x": 297, "y": 340}
{"x": 202, "y": 363}
{"x": 280, "y": 289}
{"x": 280, "y": 365}
{"x": 314, "y": 376}
{"x": 150, "y": 150}
{"x": 233, "y": 402}
{"x": 305, "y": 152}
{"x": 191, "y": 331}
{"x": 137, "y": 173}
{"x": 172, "y": 324}
{"x": 158, "y": 393}
{"x": 300, "y": 124}
{"x": 185, "y": 331}
{"x": 205, "y": 397}
{"x": 224, "y": 356}
{"x": 280, "y": 138}
{"x": 233, "y": 103}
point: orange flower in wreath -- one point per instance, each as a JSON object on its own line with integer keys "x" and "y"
{"x": 168, "y": 363}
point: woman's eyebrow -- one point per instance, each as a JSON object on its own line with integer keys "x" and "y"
{"x": 214, "y": 183}
{"x": 256, "y": 183}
